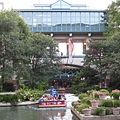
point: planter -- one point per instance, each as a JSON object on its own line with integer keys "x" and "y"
{"x": 102, "y": 96}
{"x": 116, "y": 111}
{"x": 94, "y": 104}
{"x": 87, "y": 112}
{"x": 103, "y": 113}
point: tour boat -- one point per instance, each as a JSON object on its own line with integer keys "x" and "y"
{"x": 55, "y": 103}
{"x": 52, "y": 100}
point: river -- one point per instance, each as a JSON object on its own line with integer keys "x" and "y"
{"x": 32, "y": 112}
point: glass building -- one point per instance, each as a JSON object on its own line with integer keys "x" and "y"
{"x": 63, "y": 21}
{"x": 63, "y": 17}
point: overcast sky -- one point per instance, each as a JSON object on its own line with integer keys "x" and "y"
{"x": 93, "y": 4}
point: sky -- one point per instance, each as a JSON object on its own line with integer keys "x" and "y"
{"x": 24, "y": 4}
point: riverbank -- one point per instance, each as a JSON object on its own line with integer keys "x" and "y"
{"x": 18, "y": 104}
{"x": 93, "y": 117}
{"x": 4, "y": 104}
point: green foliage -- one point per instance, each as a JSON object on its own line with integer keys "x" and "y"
{"x": 107, "y": 111}
{"x": 104, "y": 90}
{"x": 28, "y": 94}
{"x": 86, "y": 100}
{"x": 1, "y": 88}
{"x": 100, "y": 111}
{"x": 82, "y": 95}
{"x": 115, "y": 95}
{"x": 11, "y": 98}
{"x": 75, "y": 104}
{"x": 22, "y": 86}
{"x": 112, "y": 15}
{"x": 116, "y": 103}
{"x": 82, "y": 106}
{"x": 8, "y": 87}
{"x": 107, "y": 103}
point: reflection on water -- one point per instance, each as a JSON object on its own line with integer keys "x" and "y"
{"x": 35, "y": 113}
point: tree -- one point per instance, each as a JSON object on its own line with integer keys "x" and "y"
{"x": 95, "y": 57}
{"x": 43, "y": 57}
{"x": 13, "y": 36}
{"x": 112, "y": 16}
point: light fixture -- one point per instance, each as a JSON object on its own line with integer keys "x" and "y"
{"x": 51, "y": 34}
{"x": 89, "y": 34}
{"x": 70, "y": 34}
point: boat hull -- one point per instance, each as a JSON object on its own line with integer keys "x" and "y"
{"x": 45, "y": 104}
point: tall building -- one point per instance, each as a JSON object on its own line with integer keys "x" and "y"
{"x": 69, "y": 24}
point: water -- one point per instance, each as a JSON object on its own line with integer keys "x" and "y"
{"x": 34, "y": 113}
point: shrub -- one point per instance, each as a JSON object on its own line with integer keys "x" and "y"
{"x": 82, "y": 95}
{"x": 28, "y": 94}
{"x": 11, "y": 98}
{"x": 75, "y": 103}
{"x": 115, "y": 95}
{"x": 87, "y": 100}
{"x": 82, "y": 106}
{"x": 107, "y": 103}
{"x": 100, "y": 111}
{"x": 107, "y": 111}
{"x": 116, "y": 103}
{"x": 104, "y": 90}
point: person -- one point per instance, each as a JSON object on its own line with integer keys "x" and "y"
{"x": 51, "y": 89}
{"x": 63, "y": 97}
{"x": 54, "y": 92}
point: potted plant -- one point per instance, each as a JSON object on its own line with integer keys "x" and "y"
{"x": 116, "y": 105}
{"x": 115, "y": 94}
{"x": 107, "y": 103}
{"x": 82, "y": 106}
{"x": 100, "y": 111}
{"x": 94, "y": 103}
{"x": 102, "y": 95}
{"x": 86, "y": 111}
{"x": 116, "y": 111}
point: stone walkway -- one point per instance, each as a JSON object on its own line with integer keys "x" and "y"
{"x": 93, "y": 117}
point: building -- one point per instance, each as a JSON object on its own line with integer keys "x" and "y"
{"x": 66, "y": 22}
{"x": 1, "y": 5}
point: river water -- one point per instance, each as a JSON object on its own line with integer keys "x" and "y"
{"x": 32, "y": 112}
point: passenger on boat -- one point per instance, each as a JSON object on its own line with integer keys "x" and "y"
{"x": 55, "y": 97}
{"x": 54, "y": 92}
{"x": 42, "y": 99}
{"x": 63, "y": 97}
{"x": 51, "y": 89}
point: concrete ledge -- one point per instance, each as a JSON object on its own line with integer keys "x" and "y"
{"x": 92, "y": 117}
{"x": 19, "y": 104}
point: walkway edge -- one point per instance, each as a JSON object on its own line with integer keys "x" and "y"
{"x": 19, "y": 104}
{"x": 92, "y": 117}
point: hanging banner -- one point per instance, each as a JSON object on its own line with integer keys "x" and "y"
{"x": 71, "y": 48}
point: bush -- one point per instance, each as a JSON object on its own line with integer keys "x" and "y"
{"x": 107, "y": 103}
{"x": 100, "y": 111}
{"x": 82, "y": 95}
{"x": 82, "y": 106}
{"x": 11, "y": 98}
{"x": 104, "y": 90}
{"x": 107, "y": 111}
{"x": 28, "y": 94}
{"x": 8, "y": 87}
{"x": 75, "y": 104}
{"x": 116, "y": 103}
{"x": 87, "y": 100}
{"x": 115, "y": 95}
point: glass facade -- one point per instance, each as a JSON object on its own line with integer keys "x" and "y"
{"x": 63, "y": 17}
{"x": 64, "y": 21}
